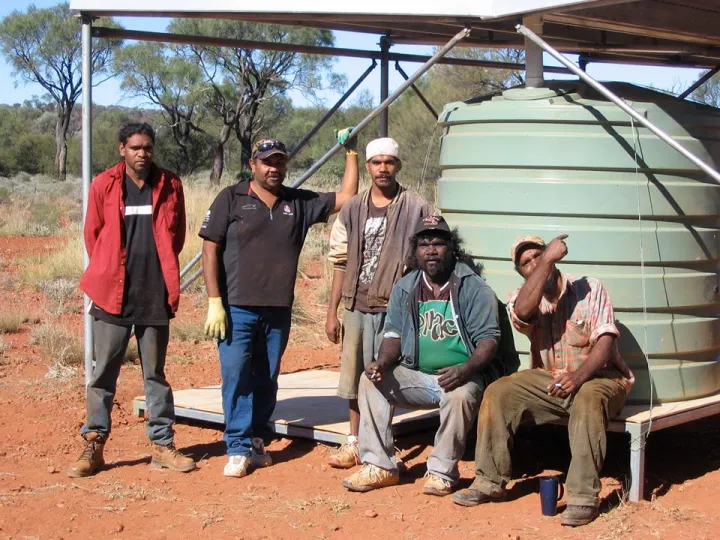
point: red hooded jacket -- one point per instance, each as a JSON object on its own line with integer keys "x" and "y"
{"x": 103, "y": 280}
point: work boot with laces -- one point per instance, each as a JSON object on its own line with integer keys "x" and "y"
{"x": 434, "y": 485}
{"x": 91, "y": 460}
{"x": 371, "y": 477}
{"x": 347, "y": 455}
{"x": 168, "y": 457}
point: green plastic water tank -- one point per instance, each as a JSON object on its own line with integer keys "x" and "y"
{"x": 563, "y": 159}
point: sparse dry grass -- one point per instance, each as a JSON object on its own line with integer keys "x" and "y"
{"x": 34, "y": 215}
{"x": 184, "y": 330}
{"x": 63, "y": 263}
{"x": 10, "y": 321}
{"x": 199, "y": 196}
{"x": 63, "y": 349}
{"x": 61, "y": 292}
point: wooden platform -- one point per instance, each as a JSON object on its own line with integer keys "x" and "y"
{"x": 638, "y": 421}
{"x": 307, "y": 407}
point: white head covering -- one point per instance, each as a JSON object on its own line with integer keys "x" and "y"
{"x": 385, "y": 146}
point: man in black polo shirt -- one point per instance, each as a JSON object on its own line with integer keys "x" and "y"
{"x": 253, "y": 234}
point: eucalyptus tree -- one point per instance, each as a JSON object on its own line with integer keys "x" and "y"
{"x": 160, "y": 74}
{"x": 245, "y": 89}
{"x": 43, "y": 46}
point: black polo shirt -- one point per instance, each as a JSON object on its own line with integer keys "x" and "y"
{"x": 145, "y": 296}
{"x": 261, "y": 245}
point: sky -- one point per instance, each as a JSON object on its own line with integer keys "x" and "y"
{"x": 12, "y": 90}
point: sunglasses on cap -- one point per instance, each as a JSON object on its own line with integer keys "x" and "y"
{"x": 268, "y": 145}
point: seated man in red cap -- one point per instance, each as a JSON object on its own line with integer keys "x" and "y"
{"x": 441, "y": 348}
{"x": 576, "y": 373}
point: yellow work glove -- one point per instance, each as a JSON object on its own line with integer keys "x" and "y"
{"x": 343, "y": 137}
{"x": 216, "y": 322}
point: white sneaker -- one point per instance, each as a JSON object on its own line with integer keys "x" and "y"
{"x": 236, "y": 466}
{"x": 258, "y": 456}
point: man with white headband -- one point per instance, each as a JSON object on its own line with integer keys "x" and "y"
{"x": 368, "y": 245}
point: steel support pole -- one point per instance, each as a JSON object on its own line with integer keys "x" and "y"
{"x": 189, "y": 265}
{"x": 295, "y": 150}
{"x": 533, "y": 54}
{"x": 87, "y": 173}
{"x": 697, "y": 84}
{"x": 427, "y": 104}
{"x": 369, "y": 118}
{"x": 384, "y": 83}
{"x": 619, "y": 102}
{"x": 299, "y": 146}
{"x": 386, "y": 103}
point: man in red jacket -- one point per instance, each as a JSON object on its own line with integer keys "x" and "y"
{"x": 134, "y": 232}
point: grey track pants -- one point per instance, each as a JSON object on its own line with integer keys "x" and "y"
{"x": 111, "y": 342}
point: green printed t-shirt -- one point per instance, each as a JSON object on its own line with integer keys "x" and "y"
{"x": 440, "y": 343}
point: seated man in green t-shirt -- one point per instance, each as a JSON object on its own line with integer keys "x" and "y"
{"x": 441, "y": 348}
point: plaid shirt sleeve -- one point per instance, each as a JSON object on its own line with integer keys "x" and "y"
{"x": 520, "y": 325}
{"x": 602, "y": 315}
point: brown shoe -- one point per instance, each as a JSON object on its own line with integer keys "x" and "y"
{"x": 91, "y": 460}
{"x": 434, "y": 485}
{"x": 370, "y": 477}
{"x": 474, "y": 497}
{"x": 168, "y": 457}
{"x": 576, "y": 516}
{"x": 346, "y": 457}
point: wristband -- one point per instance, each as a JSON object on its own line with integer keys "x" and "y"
{"x": 351, "y": 153}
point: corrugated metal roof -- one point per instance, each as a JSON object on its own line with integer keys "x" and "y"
{"x": 669, "y": 32}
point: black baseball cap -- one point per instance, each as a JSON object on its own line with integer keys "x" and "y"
{"x": 432, "y": 224}
{"x": 267, "y": 147}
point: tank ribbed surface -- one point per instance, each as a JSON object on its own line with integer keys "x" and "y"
{"x": 565, "y": 160}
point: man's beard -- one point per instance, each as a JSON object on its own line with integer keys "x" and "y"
{"x": 439, "y": 267}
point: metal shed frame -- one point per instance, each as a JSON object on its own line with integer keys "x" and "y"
{"x": 649, "y": 32}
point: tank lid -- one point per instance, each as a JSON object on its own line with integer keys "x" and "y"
{"x": 531, "y": 94}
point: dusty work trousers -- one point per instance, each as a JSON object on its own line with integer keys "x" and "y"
{"x": 361, "y": 337}
{"x": 524, "y": 396}
{"x": 111, "y": 342}
{"x": 413, "y": 389}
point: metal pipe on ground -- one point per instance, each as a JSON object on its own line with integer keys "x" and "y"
{"x": 619, "y": 102}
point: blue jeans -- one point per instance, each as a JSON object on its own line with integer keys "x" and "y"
{"x": 411, "y": 389}
{"x": 249, "y": 364}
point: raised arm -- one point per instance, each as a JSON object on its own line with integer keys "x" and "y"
{"x": 351, "y": 178}
{"x": 531, "y": 293}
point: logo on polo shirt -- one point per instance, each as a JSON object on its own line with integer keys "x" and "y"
{"x": 206, "y": 220}
{"x": 287, "y": 211}
{"x": 249, "y": 206}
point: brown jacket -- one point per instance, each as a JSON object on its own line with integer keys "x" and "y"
{"x": 346, "y": 243}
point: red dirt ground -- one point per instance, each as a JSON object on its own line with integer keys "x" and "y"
{"x": 299, "y": 496}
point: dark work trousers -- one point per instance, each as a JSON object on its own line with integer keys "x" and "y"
{"x": 111, "y": 342}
